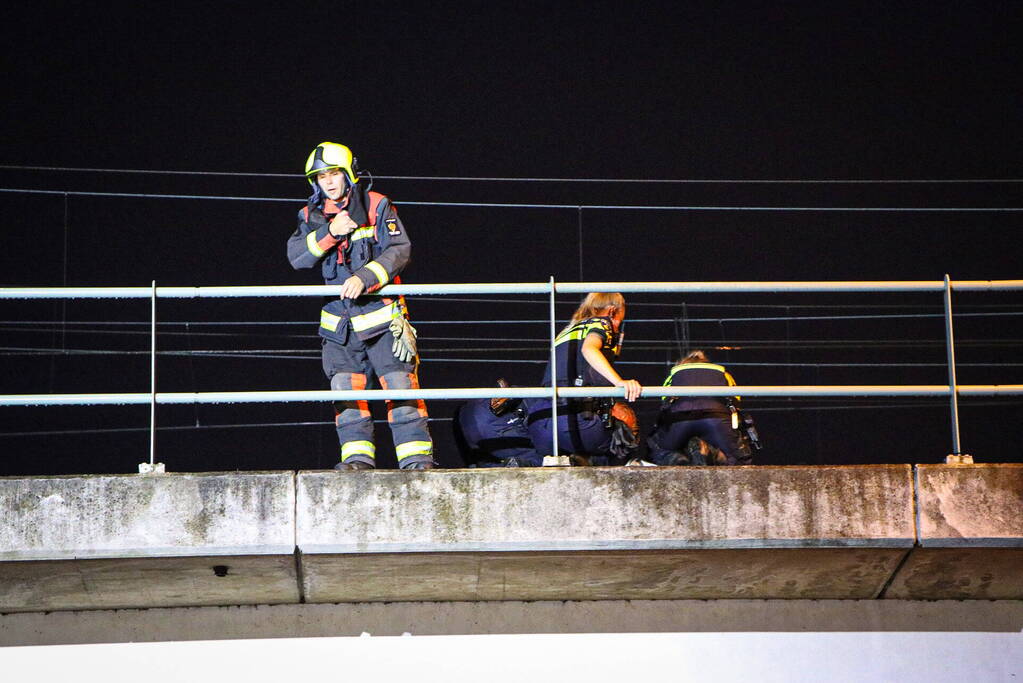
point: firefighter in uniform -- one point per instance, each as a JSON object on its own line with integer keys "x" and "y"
{"x": 585, "y": 350}
{"x": 357, "y": 239}
{"x": 698, "y": 430}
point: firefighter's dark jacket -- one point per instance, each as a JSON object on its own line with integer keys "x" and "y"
{"x": 376, "y": 252}
{"x": 699, "y": 374}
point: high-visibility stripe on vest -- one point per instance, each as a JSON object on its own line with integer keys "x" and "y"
{"x": 381, "y": 316}
{"x": 730, "y": 381}
{"x": 700, "y": 366}
{"x": 579, "y": 331}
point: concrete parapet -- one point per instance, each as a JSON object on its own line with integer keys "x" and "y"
{"x": 94, "y": 542}
{"x": 104, "y": 542}
{"x": 970, "y": 535}
{"x": 94, "y": 516}
{"x": 603, "y": 533}
{"x": 583, "y": 508}
{"x": 974, "y": 505}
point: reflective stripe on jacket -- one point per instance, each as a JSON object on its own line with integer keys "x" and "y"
{"x": 698, "y": 374}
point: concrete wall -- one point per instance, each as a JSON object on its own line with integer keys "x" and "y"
{"x": 510, "y": 617}
{"x": 75, "y": 517}
{"x": 529, "y": 534}
{"x": 96, "y": 542}
{"x": 970, "y": 535}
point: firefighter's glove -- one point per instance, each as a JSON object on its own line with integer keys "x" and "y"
{"x": 404, "y": 346}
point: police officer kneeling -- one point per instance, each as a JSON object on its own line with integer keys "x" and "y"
{"x": 491, "y": 432}
{"x": 699, "y": 430}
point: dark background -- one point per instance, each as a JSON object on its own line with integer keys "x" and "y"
{"x": 703, "y": 90}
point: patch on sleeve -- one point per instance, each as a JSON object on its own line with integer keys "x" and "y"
{"x": 392, "y": 226}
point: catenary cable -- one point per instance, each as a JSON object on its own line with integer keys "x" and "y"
{"x": 524, "y": 205}
{"x": 733, "y": 181}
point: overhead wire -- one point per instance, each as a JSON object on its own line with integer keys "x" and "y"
{"x": 526, "y": 205}
{"x": 735, "y": 181}
{"x": 41, "y": 325}
{"x": 307, "y": 354}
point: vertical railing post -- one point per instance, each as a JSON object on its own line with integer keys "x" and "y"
{"x": 554, "y": 377}
{"x": 956, "y": 457}
{"x": 152, "y": 466}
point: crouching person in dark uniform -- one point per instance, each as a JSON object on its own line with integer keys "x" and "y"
{"x": 491, "y": 432}
{"x": 584, "y": 357}
{"x": 699, "y": 430}
{"x": 357, "y": 239}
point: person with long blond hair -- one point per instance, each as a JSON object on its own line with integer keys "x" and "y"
{"x": 585, "y": 351}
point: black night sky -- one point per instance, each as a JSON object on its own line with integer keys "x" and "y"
{"x": 690, "y": 91}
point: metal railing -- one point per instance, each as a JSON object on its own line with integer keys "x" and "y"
{"x": 952, "y": 390}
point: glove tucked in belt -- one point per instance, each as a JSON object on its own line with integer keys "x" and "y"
{"x": 404, "y": 345}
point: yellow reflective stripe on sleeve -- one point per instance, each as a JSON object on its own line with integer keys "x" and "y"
{"x": 379, "y": 271}
{"x": 312, "y": 246}
{"x": 362, "y": 233}
{"x": 377, "y": 317}
{"x": 358, "y": 448}
{"x": 329, "y": 321}
{"x": 410, "y": 448}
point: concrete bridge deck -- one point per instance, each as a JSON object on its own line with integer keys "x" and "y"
{"x": 924, "y": 532}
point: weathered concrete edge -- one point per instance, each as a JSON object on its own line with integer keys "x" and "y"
{"x": 183, "y": 527}
{"x": 170, "y": 551}
{"x": 570, "y": 546}
{"x": 969, "y": 505}
{"x": 972, "y": 542}
{"x": 565, "y": 545}
{"x": 483, "y": 618}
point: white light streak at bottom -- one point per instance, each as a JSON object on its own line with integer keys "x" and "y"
{"x": 591, "y": 657}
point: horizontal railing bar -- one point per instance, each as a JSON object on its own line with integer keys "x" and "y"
{"x": 507, "y": 288}
{"x": 512, "y": 392}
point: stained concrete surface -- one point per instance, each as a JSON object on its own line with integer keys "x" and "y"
{"x": 584, "y": 508}
{"x": 974, "y": 505}
{"x": 71, "y": 517}
{"x": 805, "y": 573}
{"x": 147, "y": 582}
{"x": 99, "y": 542}
{"x": 970, "y": 535}
{"x": 509, "y": 617}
